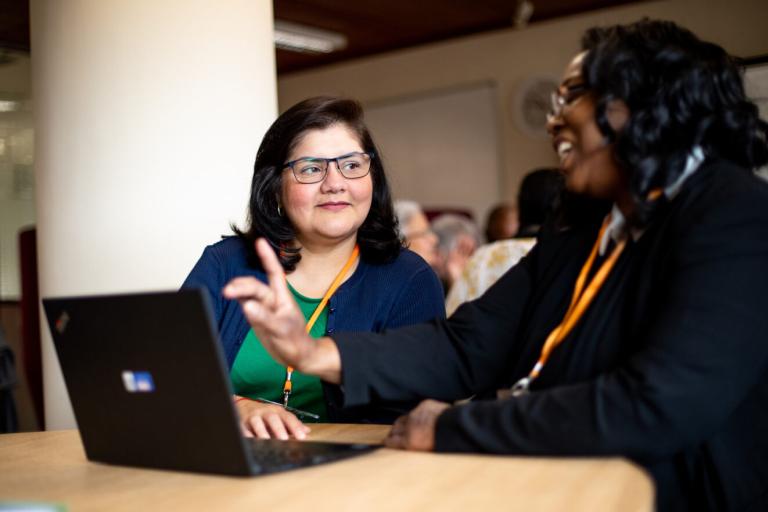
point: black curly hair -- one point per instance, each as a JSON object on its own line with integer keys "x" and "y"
{"x": 377, "y": 236}
{"x": 681, "y": 92}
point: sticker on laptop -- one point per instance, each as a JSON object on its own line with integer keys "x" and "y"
{"x": 61, "y": 322}
{"x": 138, "y": 382}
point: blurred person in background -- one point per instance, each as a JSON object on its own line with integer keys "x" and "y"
{"x": 458, "y": 237}
{"x": 537, "y": 198}
{"x": 415, "y": 230}
{"x": 502, "y": 223}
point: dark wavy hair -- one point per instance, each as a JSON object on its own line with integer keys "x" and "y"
{"x": 681, "y": 92}
{"x": 377, "y": 236}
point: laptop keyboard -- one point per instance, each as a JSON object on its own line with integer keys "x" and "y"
{"x": 272, "y": 455}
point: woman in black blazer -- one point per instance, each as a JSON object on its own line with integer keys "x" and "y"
{"x": 637, "y": 326}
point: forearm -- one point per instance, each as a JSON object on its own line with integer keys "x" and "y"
{"x": 413, "y": 363}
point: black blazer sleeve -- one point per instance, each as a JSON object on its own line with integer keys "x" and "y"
{"x": 445, "y": 360}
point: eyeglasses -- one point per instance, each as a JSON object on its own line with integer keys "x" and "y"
{"x": 314, "y": 169}
{"x": 562, "y": 100}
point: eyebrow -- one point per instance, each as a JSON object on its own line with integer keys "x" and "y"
{"x": 350, "y": 153}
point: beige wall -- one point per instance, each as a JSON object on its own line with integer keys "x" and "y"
{"x": 15, "y": 76}
{"x": 509, "y": 58}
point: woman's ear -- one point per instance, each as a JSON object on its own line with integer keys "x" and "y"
{"x": 617, "y": 114}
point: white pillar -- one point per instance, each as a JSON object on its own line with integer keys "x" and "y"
{"x": 148, "y": 115}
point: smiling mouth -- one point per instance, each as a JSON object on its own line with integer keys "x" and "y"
{"x": 564, "y": 149}
{"x": 333, "y": 206}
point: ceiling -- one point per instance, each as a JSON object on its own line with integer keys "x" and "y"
{"x": 376, "y": 26}
{"x": 371, "y": 26}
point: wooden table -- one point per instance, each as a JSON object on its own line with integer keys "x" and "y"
{"x": 51, "y": 467}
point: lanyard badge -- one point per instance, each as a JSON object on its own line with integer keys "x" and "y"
{"x": 288, "y": 385}
{"x": 580, "y": 301}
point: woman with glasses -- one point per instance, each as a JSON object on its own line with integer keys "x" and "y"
{"x": 319, "y": 197}
{"x": 638, "y": 328}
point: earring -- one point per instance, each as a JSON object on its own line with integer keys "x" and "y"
{"x": 279, "y": 210}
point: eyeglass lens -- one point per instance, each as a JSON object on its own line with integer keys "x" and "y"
{"x": 561, "y": 99}
{"x": 312, "y": 170}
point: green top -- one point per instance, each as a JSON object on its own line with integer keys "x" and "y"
{"x": 255, "y": 374}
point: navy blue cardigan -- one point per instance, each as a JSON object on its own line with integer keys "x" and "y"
{"x": 375, "y": 298}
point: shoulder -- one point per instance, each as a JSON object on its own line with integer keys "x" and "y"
{"x": 490, "y": 261}
{"x": 485, "y": 267}
{"x": 721, "y": 178}
{"x": 406, "y": 263}
{"x": 406, "y": 272}
{"x": 720, "y": 215}
{"x": 724, "y": 192}
{"x": 498, "y": 252}
{"x": 407, "y": 259}
{"x": 229, "y": 248}
{"x": 229, "y": 257}
{"x": 230, "y": 251}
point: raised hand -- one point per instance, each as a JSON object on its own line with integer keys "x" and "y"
{"x": 270, "y": 309}
{"x": 278, "y": 323}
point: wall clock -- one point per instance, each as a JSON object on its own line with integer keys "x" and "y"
{"x": 531, "y": 102}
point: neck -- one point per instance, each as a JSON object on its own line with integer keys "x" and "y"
{"x": 319, "y": 266}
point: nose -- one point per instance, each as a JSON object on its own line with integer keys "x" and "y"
{"x": 333, "y": 180}
{"x": 554, "y": 124}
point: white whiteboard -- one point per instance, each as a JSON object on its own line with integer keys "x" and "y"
{"x": 441, "y": 149}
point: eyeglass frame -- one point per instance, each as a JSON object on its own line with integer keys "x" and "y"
{"x": 559, "y": 101}
{"x": 370, "y": 154}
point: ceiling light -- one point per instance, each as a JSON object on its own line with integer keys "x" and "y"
{"x": 523, "y": 13}
{"x": 8, "y": 105}
{"x": 300, "y": 38}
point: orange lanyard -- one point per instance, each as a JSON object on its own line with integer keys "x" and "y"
{"x": 579, "y": 303}
{"x": 287, "y": 387}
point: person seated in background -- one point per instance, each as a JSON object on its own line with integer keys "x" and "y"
{"x": 415, "y": 231}
{"x": 458, "y": 237}
{"x": 502, "y": 223}
{"x": 537, "y": 199}
{"x": 636, "y": 326}
{"x": 319, "y": 195}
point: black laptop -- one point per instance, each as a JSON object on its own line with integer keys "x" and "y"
{"x": 149, "y": 387}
